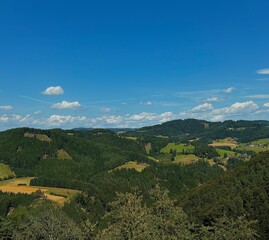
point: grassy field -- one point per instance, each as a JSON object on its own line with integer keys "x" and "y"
{"x": 148, "y": 148}
{"x": 41, "y": 137}
{"x": 153, "y": 159}
{"x": 226, "y": 142}
{"x": 5, "y": 171}
{"x": 62, "y": 154}
{"x": 131, "y": 138}
{"x": 256, "y": 146}
{"x": 139, "y": 167}
{"x": 186, "y": 159}
{"x": 180, "y": 158}
{"x": 222, "y": 152}
{"x": 178, "y": 147}
{"x": 21, "y": 185}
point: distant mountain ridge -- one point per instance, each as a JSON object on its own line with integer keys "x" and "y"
{"x": 192, "y": 128}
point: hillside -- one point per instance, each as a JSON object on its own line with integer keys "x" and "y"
{"x": 244, "y": 131}
{"x": 5, "y": 172}
{"x": 238, "y": 192}
{"x": 101, "y": 164}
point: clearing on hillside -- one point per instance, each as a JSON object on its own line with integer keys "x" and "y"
{"x": 62, "y": 154}
{"x": 256, "y": 146}
{"x": 21, "y": 185}
{"x": 139, "y": 167}
{"x": 148, "y": 148}
{"x": 5, "y": 172}
{"x": 226, "y": 142}
{"x": 178, "y": 147}
{"x": 222, "y": 152}
{"x": 186, "y": 159}
{"x": 41, "y": 137}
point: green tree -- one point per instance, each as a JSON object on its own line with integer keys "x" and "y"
{"x": 226, "y": 228}
{"x": 167, "y": 220}
{"x": 47, "y": 221}
{"x": 127, "y": 220}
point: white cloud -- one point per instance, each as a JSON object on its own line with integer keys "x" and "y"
{"x": 53, "y": 91}
{"x": 245, "y": 109}
{"x": 58, "y": 120}
{"x": 238, "y": 107}
{"x": 66, "y": 105}
{"x": 202, "y": 107}
{"x": 229, "y": 90}
{"x": 258, "y": 96}
{"x": 266, "y": 105}
{"x": 263, "y": 71}
{"x": 134, "y": 120}
{"x": 105, "y": 110}
{"x": 217, "y": 118}
{"x": 149, "y": 103}
{"x": 14, "y": 119}
{"x": 212, "y": 99}
{"x": 6, "y": 108}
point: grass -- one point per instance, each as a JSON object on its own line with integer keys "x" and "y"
{"x": 5, "y": 171}
{"x": 59, "y": 195}
{"x": 131, "y": 138}
{"x": 139, "y": 167}
{"x": 178, "y": 147}
{"x": 180, "y": 158}
{"x": 62, "y": 154}
{"x": 186, "y": 159}
{"x": 222, "y": 152}
{"x": 153, "y": 159}
{"x": 256, "y": 146}
{"x": 41, "y": 137}
{"x": 226, "y": 142}
{"x": 148, "y": 148}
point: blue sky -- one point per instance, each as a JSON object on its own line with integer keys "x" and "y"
{"x": 132, "y": 63}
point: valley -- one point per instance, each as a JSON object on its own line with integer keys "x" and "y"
{"x": 83, "y": 172}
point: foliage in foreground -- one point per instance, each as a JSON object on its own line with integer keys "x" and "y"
{"x": 129, "y": 218}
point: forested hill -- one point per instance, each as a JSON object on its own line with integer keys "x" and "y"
{"x": 242, "y": 191}
{"x": 27, "y": 151}
{"x": 244, "y": 131}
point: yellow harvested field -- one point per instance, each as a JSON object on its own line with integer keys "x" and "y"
{"x": 186, "y": 159}
{"x": 148, "y": 147}
{"x": 62, "y": 154}
{"x": 226, "y": 142}
{"x": 59, "y": 195}
{"x": 41, "y": 137}
{"x": 16, "y": 181}
{"x": 219, "y": 144}
{"x": 139, "y": 167}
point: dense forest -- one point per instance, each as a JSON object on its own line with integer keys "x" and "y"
{"x": 244, "y": 131}
{"x": 163, "y": 200}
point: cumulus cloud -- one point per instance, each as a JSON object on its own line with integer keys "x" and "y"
{"x": 149, "y": 103}
{"x": 53, "y": 91}
{"x": 266, "y": 105}
{"x": 6, "y": 108}
{"x": 263, "y": 71}
{"x": 229, "y": 90}
{"x": 212, "y": 99}
{"x": 238, "y": 107}
{"x": 217, "y": 118}
{"x": 202, "y": 107}
{"x": 220, "y": 114}
{"x": 17, "y": 119}
{"x": 58, "y": 120}
{"x": 105, "y": 110}
{"x": 258, "y": 96}
{"x": 66, "y": 105}
{"x": 134, "y": 120}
